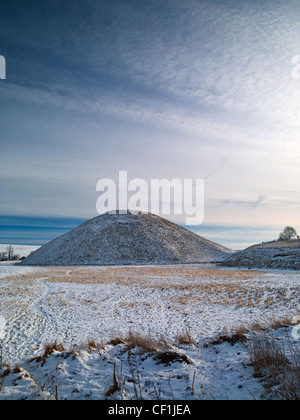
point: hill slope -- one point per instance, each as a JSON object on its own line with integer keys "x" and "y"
{"x": 283, "y": 255}
{"x": 116, "y": 239}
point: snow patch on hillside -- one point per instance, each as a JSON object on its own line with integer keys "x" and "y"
{"x": 275, "y": 255}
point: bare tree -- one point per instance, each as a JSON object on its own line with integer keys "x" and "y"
{"x": 288, "y": 234}
{"x": 10, "y": 253}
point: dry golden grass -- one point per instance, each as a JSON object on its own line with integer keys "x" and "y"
{"x": 179, "y": 285}
{"x": 186, "y": 339}
{"x": 49, "y": 348}
{"x": 115, "y": 387}
{"x": 135, "y": 304}
{"x": 143, "y": 276}
{"x": 239, "y": 334}
{"x": 145, "y": 342}
{"x": 159, "y": 347}
{"x": 280, "y": 374}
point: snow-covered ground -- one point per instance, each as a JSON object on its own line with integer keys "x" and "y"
{"x": 8, "y": 269}
{"x": 78, "y": 305}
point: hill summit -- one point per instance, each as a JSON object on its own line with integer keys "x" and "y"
{"x": 127, "y": 239}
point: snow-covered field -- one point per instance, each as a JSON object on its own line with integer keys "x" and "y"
{"x": 76, "y": 306}
{"x": 9, "y": 269}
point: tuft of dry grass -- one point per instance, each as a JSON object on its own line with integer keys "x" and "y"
{"x": 92, "y": 346}
{"x": 266, "y": 352}
{"x": 115, "y": 387}
{"x": 186, "y": 339}
{"x": 146, "y": 343}
{"x": 5, "y": 372}
{"x": 18, "y": 368}
{"x": 48, "y": 350}
{"x": 280, "y": 374}
{"x": 115, "y": 341}
{"x": 51, "y": 348}
{"x": 159, "y": 347}
{"x": 240, "y": 334}
{"x": 280, "y": 323}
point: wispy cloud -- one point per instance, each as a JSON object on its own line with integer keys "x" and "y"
{"x": 198, "y": 89}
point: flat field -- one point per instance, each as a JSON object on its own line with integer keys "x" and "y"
{"x": 94, "y": 313}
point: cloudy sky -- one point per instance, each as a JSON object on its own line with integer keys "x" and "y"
{"x": 160, "y": 88}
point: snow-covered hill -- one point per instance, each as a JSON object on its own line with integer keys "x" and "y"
{"x": 127, "y": 239}
{"x": 283, "y": 255}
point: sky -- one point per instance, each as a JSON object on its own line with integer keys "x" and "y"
{"x": 200, "y": 89}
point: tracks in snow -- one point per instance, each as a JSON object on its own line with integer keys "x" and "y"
{"x": 28, "y": 324}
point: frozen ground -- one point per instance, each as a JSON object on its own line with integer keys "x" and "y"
{"x": 8, "y": 269}
{"x": 79, "y": 305}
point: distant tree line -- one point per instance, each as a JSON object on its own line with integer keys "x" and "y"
{"x": 9, "y": 255}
